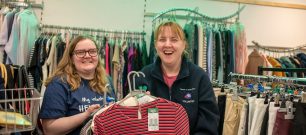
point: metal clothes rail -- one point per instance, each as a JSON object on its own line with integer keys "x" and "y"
{"x": 279, "y": 49}
{"x": 263, "y": 78}
{"x": 200, "y": 15}
{"x": 261, "y": 69}
{"x": 57, "y": 28}
{"x": 26, "y": 4}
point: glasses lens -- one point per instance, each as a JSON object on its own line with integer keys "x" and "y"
{"x": 93, "y": 52}
{"x": 80, "y": 53}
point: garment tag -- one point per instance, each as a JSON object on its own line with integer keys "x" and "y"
{"x": 153, "y": 120}
{"x": 290, "y": 110}
{"x": 282, "y": 110}
{"x": 289, "y": 116}
{"x": 142, "y": 98}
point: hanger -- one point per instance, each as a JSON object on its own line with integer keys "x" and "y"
{"x": 266, "y": 98}
{"x": 277, "y": 97}
{"x": 136, "y": 96}
{"x": 122, "y": 38}
{"x": 105, "y": 95}
{"x": 102, "y": 108}
{"x": 106, "y": 102}
{"x": 235, "y": 95}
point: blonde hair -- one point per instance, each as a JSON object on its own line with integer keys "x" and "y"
{"x": 66, "y": 70}
{"x": 175, "y": 28}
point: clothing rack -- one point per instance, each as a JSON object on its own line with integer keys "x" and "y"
{"x": 279, "y": 49}
{"x": 261, "y": 69}
{"x": 263, "y": 78}
{"x": 26, "y": 4}
{"x": 78, "y": 30}
{"x": 199, "y": 16}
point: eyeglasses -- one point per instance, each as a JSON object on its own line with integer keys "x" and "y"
{"x": 82, "y": 53}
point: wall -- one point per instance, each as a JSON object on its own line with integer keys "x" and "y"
{"x": 267, "y": 25}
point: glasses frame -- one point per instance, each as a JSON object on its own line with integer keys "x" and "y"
{"x": 86, "y": 51}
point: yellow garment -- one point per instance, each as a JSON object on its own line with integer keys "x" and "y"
{"x": 276, "y": 64}
{"x": 232, "y": 115}
{"x": 12, "y": 70}
{"x": 13, "y": 118}
{"x": 116, "y": 66}
{"x": 4, "y": 74}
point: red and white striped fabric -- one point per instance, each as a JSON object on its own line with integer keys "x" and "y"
{"x": 119, "y": 119}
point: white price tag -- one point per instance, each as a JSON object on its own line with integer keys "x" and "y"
{"x": 153, "y": 120}
{"x": 290, "y": 110}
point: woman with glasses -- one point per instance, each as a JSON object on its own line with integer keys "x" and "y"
{"x": 75, "y": 90}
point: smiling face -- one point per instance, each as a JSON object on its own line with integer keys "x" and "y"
{"x": 87, "y": 64}
{"x": 170, "y": 44}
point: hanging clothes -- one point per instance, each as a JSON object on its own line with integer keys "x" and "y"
{"x": 144, "y": 54}
{"x": 276, "y": 64}
{"x": 258, "y": 115}
{"x": 221, "y": 106}
{"x": 255, "y": 60}
{"x": 241, "y": 58}
{"x": 6, "y": 27}
{"x": 116, "y": 65}
{"x": 189, "y": 30}
{"x": 219, "y": 57}
{"x": 272, "y": 116}
{"x": 288, "y": 64}
{"x": 3, "y": 12}
{"x": 232, "y": 115}
{"x": 107, "y": 58}
{"x": 22, "y": 38}
{"x": 210, "y": 54}
{"x": 229, "y": 54}
{"x": 201, "y": 58}
{"x": 152, "y": 54}
{"x": 118, "y": 119}
{"x": 121, "y": 76}
{"x": 299, "y": 121}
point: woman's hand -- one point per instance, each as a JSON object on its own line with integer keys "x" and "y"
{"x": 92, "y": 108}
{"x": 64, "y": 125}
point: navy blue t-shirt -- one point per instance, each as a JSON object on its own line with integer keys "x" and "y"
{"x": 59, "y": 101}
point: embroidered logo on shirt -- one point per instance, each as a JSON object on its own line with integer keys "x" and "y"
{"x": 187, "y": 96}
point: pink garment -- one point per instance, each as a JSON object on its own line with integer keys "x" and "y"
{"x": 131, "y": 56}
{"x": 268, "y": 73}
{"x": 169, "y": 80}
{"x": 241, "y": 55}
{"x": 107, "y": 58}
{"x": 282, "y": 126}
